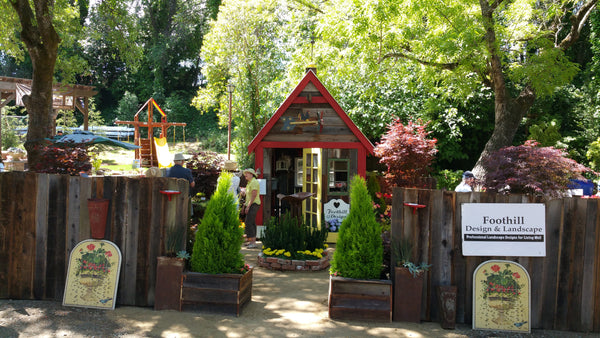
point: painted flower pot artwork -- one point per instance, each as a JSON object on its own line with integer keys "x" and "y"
{"x": 93, "y": 275}
{"x": 501, "y": 297}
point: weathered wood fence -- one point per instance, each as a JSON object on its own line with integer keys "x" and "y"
{"x": 43, "y": 216}
{"x": 565, "y": 285}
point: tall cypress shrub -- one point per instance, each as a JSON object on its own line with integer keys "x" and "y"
{"x": 219, "y": 236}
{"x": 359, "y": 249}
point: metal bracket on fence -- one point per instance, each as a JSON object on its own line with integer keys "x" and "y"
{"x": 170, "y": 193}
{"x": 415, "y": 206}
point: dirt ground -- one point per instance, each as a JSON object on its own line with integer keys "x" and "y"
{"x": 284, "y": 304}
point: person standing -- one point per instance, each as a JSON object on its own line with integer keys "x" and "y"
{"x": 468, "y": 180}
{"x": 178, "y": 171}
{"x": 251, "y": 207}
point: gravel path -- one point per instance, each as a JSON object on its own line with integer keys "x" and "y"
{"x": 284, "y": 304}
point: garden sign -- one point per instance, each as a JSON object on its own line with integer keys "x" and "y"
{"x": 495, "y": 229}
{"x": 501, "y": 297}
{"x": 93, "y": 275}
{"x": 336, "y": 208}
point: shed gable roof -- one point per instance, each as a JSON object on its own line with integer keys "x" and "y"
{"x": 310, "y": 78}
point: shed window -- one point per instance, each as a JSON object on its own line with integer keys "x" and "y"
{"x": 338, "y": 170}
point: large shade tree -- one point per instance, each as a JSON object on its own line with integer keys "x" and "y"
{"x": 514, "y": 48}
{"x": 41, "y": 27}
{"x": 245, "y": 47}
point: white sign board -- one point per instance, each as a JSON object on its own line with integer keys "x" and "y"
{"x": 262, "y": 186}
{"x": 504, "y": 229}
{"x": 336, "y": 208}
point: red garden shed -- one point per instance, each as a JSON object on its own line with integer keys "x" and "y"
{"x": 309, "y": 145}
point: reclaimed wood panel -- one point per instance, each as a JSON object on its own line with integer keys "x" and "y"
{"x": 144, "y": 213}
{"x": 85, "y": 193}
{"x": 575, "y": 277}
{"x": 41, "y": 236}
{"x": 437, "y": 247}
{"x": 58, "y": 228}
{"x": 360, "y": 299}
{"x": 72, "y": 214}
{"x": 565, "y": 248}
{"x": 37, "y": 213}
{"x": 595, "y": 292}
{"x": 224, "y": 293}
{"x": 550, "y": 279}
{"x": 156, "y": 246}
{"x": 130, "y": 223}
{"x": 5, "y": 229}
{"x": 588, "y": 274}
{"x": 459, "y": 262}
{"x": 423, "y": 252}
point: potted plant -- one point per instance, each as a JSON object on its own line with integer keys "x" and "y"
{"x": 355, "y": 292}
{"x": 220, "y": 281}
{"x": 169, "y": 269}
{"x": 408, "y": 283}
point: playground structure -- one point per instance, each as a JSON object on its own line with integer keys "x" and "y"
{"x": 153, "y": 151}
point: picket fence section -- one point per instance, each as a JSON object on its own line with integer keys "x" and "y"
{"x": 565, "y": 284}
{"x": 43, "y": 216}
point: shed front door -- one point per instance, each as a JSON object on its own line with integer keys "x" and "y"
{"x": 311, "y": 207}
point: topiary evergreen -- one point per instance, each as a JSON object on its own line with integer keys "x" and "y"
{"x": 359, "y": 250}
{"x": 219, "y": 236}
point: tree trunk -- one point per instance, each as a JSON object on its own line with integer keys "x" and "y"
{"x": 509, "y": 112}
{"x": 42, "y": 41}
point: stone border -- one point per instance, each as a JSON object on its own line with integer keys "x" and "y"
{"x": 274, "y": 263}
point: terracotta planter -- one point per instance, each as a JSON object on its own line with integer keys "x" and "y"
{"x": 98, "y": 212}
{"x": 168, "y": 283}
{"x": 408, "y": 292}
{"x": 360, "y": 299}
{"x": 220, "y": 293}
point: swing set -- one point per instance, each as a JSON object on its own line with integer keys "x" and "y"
{"x": 152, "y": 150}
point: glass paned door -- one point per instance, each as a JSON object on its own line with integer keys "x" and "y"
{"x": 312, "y": 174}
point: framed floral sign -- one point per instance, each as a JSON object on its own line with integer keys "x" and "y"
{"x": 501, "y": 297}
{"x": 93, "y": 275}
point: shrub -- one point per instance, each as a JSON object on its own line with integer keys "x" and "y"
{"x": 219, "y": 235}
{"x": 448, "y": 179}
{"x": 205, "y": 166}
{"x": 407, "y": 153}
{"x": 593, "y": 154}
{"x": 529, "y": 169}
{"x": 69, "y": 160}
{"x": 286, "y": 235}
{"x": 359, "y": 249}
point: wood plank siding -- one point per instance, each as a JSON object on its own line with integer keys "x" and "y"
{"x": 565, "y": 284}
{"x": 42, "y": 217}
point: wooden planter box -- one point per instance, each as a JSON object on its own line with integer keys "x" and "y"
{"x": 360, "y": 299}
{"x": 408, "y": 292}
{"x": 168, "y": 283}
{"x": 219, "y": 293}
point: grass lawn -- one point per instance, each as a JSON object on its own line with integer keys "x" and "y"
{"x": 121, "y": 160}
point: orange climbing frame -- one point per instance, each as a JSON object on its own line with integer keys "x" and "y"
{"x": 146, "y": 154}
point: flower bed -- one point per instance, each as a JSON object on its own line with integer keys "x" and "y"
{"x": 281, "y": 264}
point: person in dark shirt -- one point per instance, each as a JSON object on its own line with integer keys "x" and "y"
{"x": 178, "y": 171}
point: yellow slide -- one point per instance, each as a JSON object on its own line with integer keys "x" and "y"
{"x": 165, "y": 159}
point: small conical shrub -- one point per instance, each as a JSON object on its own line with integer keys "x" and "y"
{"x": 219, "y": 236}
{"x": 359, "y": 249}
